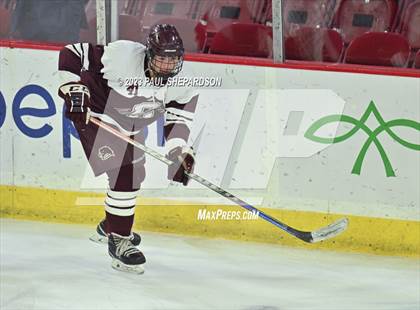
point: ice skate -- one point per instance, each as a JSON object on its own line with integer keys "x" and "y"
{"x": 102, "y": 237}
{"x": 125, "y": 256}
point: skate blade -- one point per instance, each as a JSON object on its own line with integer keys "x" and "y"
{"x": 99, "y": 239}
{"x": 118, "y": 265}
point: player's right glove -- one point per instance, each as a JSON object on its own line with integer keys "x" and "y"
{"x": 77, "y": 101}
{"x": 182, "y": 161}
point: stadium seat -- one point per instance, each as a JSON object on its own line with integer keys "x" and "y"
{"x": 220, "y": 14}
{"x": 306, "y": 13}
{"x": 239, "y": 39}
{"x": 185, "y": 28}
{"x": 410, "y": 24}
{"x": 416, "y": 63}
{"x": 378, "y": 49}
{"x": 355, "y": 17}
{"x": 314, "y": 44}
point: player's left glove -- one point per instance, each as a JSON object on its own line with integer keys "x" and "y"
{"x": 76, "y": 97}
{"x": 183, "y": 161}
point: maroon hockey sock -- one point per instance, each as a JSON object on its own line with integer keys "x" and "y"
{"x": 119, "y": 224}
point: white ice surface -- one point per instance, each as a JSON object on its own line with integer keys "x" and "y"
{"x": 55, "y": 266}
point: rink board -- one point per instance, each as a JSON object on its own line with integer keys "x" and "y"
{"x": 250, "y": 145}
{"x": 364, "y": 235}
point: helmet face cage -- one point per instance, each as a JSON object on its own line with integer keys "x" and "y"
{"x": 165, "y": 51}
{"x": 165, "y": 66}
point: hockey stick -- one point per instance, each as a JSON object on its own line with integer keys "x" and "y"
{"x": 324, "y": 233}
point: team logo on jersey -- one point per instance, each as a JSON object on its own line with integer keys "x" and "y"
{"x": 145, "y": 109}
{"x": 105, "y": 152}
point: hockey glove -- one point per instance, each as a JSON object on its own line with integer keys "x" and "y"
{"x": 183, "y": 161}
{"x": 77, "y": 101}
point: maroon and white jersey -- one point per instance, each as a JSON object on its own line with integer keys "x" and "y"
{"x": 115, "y": 76}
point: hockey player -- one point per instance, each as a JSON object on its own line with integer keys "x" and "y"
{"x": 110, "y": 86}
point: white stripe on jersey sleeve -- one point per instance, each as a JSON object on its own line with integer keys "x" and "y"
{"x": 170, "y": 120}
{"x": 82, "y": 51}
{"x": 187, "y": 114}
{"x": 177, "y": 121}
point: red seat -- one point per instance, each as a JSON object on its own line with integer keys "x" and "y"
{"x": 314, "y": 44}
{"x": 219, "y": 14}
{"x": 355, "y": 17}
{"x": 306, "y": 13}
{"x": 378, "y": 49}
{"x": 239, "y": 39}
{"x": 410, "y": 24}
{"x": 185, "y": 28}
{"x": 416, "y": 63}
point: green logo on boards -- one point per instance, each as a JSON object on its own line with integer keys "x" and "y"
{"x": 372, "y": 135}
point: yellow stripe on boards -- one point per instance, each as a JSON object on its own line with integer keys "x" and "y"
{"x": 364, "y": 235}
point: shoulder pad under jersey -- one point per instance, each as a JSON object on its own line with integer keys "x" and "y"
{"x": 123, "y": 60}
